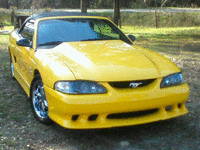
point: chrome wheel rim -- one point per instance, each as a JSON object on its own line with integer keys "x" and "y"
{"x": 40, "y": 103}
{"x": 12, "y": 69}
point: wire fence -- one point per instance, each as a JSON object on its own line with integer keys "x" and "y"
{"x": 159, "y": 19}
{"x": 135, "y": 17}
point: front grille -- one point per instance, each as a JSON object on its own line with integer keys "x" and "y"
{"x": 131, "y": 114}
{"x": 131, "y": 84}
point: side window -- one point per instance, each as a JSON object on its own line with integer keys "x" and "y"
{"x": 27, "y": 31}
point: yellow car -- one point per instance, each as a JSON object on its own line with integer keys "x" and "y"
{"x": 81, "y": 72}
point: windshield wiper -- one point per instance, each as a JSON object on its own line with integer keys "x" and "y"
{"x": 51, "y": 43}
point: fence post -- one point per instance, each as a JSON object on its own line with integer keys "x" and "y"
{"x": 156, "y": 19}
{"x": 171, "y": 19}
{"x": 16, "y": 25}
{"x": 184, "y": 18}
{"x": 12, "y": 15}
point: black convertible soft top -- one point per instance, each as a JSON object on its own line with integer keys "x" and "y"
{"x": 59, "y": 13}
{"x": 55, "y": 14}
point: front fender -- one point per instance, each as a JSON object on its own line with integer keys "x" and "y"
{"x": 164, "y": 65}
{"x": 51, "y": 68}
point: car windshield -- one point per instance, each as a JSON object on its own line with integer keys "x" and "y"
{"x": 56, "y": 31}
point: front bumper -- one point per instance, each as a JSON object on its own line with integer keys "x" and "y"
{"x": 118, "y": 107}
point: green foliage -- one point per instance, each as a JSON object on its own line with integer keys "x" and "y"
{"x": 98, "y": 3}
{"x": 104, "y": 4}
{"x": 5, "y": 18}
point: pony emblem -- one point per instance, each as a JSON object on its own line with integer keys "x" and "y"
{"x": 134, "y": 85}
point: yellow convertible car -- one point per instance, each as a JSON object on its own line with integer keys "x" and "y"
{"x": 81, "y": 71}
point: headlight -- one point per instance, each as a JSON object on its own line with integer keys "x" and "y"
{"x": 79, "y": 87}
{"x": 172, "y": 80}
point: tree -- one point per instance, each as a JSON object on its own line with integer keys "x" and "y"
{"x": 155, "y": 3}
{"x": 4, "y": 4}
{"x": 84, "y": 5}
{"x": 97, "y": 3}
{"x": 116, "y": 12}
{"x": 163, "y": 3}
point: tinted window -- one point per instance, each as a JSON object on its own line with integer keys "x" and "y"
{"x": 56, "y": 31}
{"x": 27, "y": 31}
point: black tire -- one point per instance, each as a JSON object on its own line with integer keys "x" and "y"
{"x": 39, "y": 102}
{"x": 12, "y": 69}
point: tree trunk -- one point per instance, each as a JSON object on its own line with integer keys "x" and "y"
{"x": 116, "y": 13}
{"x": 7, "y": 6}
{"x": 84, "y": 4}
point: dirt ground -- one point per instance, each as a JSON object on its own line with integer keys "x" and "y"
{"x": 19, "y": 129}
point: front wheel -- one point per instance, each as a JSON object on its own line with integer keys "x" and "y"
{"x": 39, "y": 102}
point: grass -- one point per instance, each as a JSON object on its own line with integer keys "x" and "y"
{"x": 19, "y": 129}
{"x": 8, "y": 28}
{"x": 159, "y": 39}
{"x": 167, "y": 32}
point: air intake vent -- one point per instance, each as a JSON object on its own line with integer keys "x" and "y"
{"x": 131, "y": 84}
{"x": 131, "y": 114}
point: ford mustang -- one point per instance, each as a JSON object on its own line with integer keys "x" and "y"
{"x": 81, "y": 71}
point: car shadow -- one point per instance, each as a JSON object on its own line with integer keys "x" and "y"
{"x": 128, "y": 137}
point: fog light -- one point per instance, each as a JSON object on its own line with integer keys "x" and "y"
{"x": 92, "y": 117}
{"x": 75, "y": 117}
{"x": 168, "y": 108}
{"x": 179, "y": 105}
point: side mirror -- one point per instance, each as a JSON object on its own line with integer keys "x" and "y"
{"x": 24, "y": 42}
{"x": 132, "y": 37}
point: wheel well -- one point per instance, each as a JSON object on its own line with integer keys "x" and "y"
{"x": 36, "y": 73}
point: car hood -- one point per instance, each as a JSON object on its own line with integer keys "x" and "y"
{"x": 112, "y": 61}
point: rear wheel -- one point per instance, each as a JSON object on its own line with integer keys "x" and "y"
{"x": 39, "y": 102}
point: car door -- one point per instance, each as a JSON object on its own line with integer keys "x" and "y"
{"x": 23, "y": 57}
